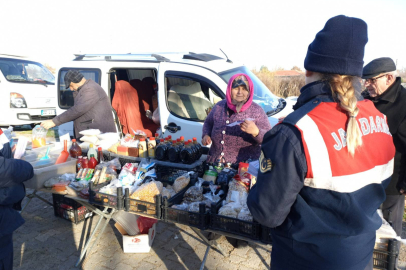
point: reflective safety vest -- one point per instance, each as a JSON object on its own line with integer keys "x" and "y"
{"x": 329, "y": 164}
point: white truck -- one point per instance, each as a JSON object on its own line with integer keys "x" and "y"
{"x": 188, "y": 84}
{"x": 27, "y": 91}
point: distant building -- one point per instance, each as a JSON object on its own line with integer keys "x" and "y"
{"x": 286, "y": 74}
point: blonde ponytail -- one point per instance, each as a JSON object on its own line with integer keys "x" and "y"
{"x": 343, "y": 89}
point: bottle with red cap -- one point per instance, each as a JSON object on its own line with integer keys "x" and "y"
{"x": 100, "y": 157}
{"x": 187, "y": 155}
{"x": 85, "y": 163}
{"x": 198, "y": 146}
{"x": 79, "y": 163}
{"x": 92, "y": 162}
{"x": 174, "y": 151}
{"x": 161, "y": 150}
{"x": 142, "y": 148}
{"x": 156, "y": 137}
{"x": 75, "y": 151}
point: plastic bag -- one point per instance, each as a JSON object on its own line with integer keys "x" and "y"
{"x": 113, "y": 148}
{"x": 170, "y": 189}
{"x": 195, "y": 193}
{"x": 147, "y": 192}
{"x": 90, "y": 132}
{"x": 194, "y": 207}
{"x": 155, "y": 117}
{"x": 166, "y": 193}
{"x": 181, "y": 182}
{"x": 90, "y": 139}
{"x": 144, "y": 224}
{"x": 39, "y": 135}
{"x": 237, "y": 193}
{"x": 245, "y": 214}
{"x": 68, "y": 176}
{"x": 228, "y": 210}
{"x": 113, "y": 164}
{"x": 109, "y": 136}
{"x": 183, "y": 206}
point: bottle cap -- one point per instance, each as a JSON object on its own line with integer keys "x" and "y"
{"x": 186, "y": 143}
{"x": 162, "y": 140}
{"x": 174, "y": 141}
{"x": 91, "y": 145}
{"x": 156, "y": 135}
{"x": 169, "y": 136}
{"x": 73, "y": 140}
{"x": 182, "y": 138}
{"x": 194, "y": 139}
{"x": 99, "y": 149}
{"x": 142, "y": 139}
{"x": 152, "y": 139}
{"x": 178, "y": 140}
{"x": 189, "y": 141}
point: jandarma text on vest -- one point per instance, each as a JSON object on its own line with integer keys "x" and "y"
{"x": 367, "y": 125}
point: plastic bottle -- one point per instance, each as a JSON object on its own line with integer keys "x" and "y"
{"x": 79, "y": 163}
{"x": 91, "y": 151}
{"x": 198, "y": 146}
{"x": 100, "y": 157}
{"x": 194, "y": 149}
{"x": 142, "y": 148}
{"x": 161, "y": 150}
{"x": 92, "y": 162}
{"x": 151, "y": 147}
{"x": 75, "y": 151}
{"x": 186, "y": 155}
{"x": 85, "y": 163}
{"x": 156, "y": 137}
{"x": 174, "y": 152}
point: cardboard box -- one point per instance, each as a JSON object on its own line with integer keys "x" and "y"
{"x": 140, "y": 243}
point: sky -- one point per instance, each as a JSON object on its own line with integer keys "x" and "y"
{"x": 272, "y": 33}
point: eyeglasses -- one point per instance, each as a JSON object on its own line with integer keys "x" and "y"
{"x": 373, "y": 80}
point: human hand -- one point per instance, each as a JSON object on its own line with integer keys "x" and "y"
{"x": 249, "y": 127}
{"x": 47, "y": 124}
{"x": 206, "y": 140}
{"x": 403, "y": 192}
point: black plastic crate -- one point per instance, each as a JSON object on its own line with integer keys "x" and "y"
{"x": 168, "y": 174}
{"x": 125, "y": 159}
{"x": 266, "y": 235}
{"x": 386, "y": 259}
{"x": 195, "y": 219}
{"x": 103, "y": 199}
{"x": 69, "y": 209}
{"x": 163, "y": 166}
{"x": 150, "y": 209}
{"x": 199, "y": 219}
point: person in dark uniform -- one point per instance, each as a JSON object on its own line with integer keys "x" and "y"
{"x": 384, "y": 89}
{"x": 324, "y": 169}
{"x": 13, "y": 173}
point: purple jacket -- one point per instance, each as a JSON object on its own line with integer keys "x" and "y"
{"x": 231, "y": 142}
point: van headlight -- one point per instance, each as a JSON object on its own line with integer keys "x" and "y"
{"x": 17, "y": 101}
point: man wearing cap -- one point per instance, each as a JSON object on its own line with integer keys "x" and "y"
{"x": 384, "y": 89}
{"x": 91, "y": 109}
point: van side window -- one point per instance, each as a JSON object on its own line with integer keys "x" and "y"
{"x": 190, "y": 98}
{"x": 65, "y": 96}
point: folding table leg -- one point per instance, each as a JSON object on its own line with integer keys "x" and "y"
{"x": 211, "y": 243}
{"x": 205, "y": 258}
{"x": 102, "y": 216}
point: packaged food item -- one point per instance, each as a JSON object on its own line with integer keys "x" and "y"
{"x": 50, "y": 182}
{"x": 242, "y": 168}
{"x": 210, "y": 175}
{"x": 122, "y": 150}
{"x": 75, "y": 151}
{"x": 181, "y": 182}
{"x": 194, "y": 207}
{"x": 151, "y": 147}
{"x": 92, "y": 162}
{"x": 171, "y": 191}
{"x": 39, "y": 135}
{"x": 148, "y": 191}
{"x": 237, "y": 193}
{"x": 100, "y": 157}
{"x": 91, "y": 151}
{"x": 79, "y": 163}
{"x": 113, "y": 148}
{"x": 133, "y": 151}
{"x": 183, "y": 206}
{"x": 166, "y": 193}
{"x": 195, "y": 193}
{"x": 60, "y": 187}
{"x": 142, "y": 148}
{"x": 96, "y": 176}
{"x": 90, "y": 139}
{"x": 228, "y": 210}
{"x": 245, "y": 214}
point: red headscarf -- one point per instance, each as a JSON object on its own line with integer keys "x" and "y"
{"x": 247, "y": 104}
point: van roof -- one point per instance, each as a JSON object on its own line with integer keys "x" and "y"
{"x": 205, "y": 60}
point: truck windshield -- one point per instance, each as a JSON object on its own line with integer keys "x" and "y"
{"x": 18, "y": 70}
{"x": 262, "y": 95}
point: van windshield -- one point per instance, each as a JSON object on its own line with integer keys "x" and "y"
{"x": 18, "y": 70}
{"x": 262, "y": 95}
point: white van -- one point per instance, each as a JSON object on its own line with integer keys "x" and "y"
{"x": 27, "y": 91}
{"x": 188, "y": 84}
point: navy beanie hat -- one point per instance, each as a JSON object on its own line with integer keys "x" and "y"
{"x": 339, "y": 47}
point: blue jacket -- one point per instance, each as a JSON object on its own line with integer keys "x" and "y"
{"x": 13, "y": 173}
{"x": 312, "y": 228}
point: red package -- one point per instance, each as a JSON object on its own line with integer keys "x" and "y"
{"x": 144, "y": 224}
